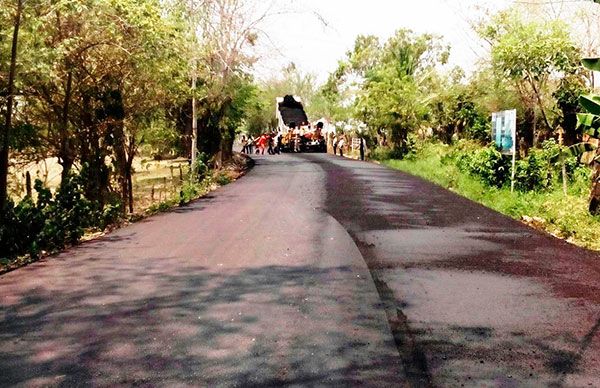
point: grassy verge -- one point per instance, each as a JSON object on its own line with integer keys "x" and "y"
{"x": 563, "y": 216}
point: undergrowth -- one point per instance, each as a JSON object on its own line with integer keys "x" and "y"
{"x": 566, "y": 217}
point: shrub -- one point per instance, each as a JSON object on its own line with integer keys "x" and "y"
{"x": 410, "y": 152}
{"x": 480, "y": 130}
{"x": 381, "y": 153}
{"x": 111, "y": 214}
{"x": 222, "y": 179}
{"x": 537, "y": 171}
{"x": 201, "y": 167}
{"x": 490, "y": 166}
{"x": 188, "y": 192}
{"x": 66, "y": 216}
{"x": 49, "y": 224}
{"x": 487, "y": 164}
{"x": 533, "y": 173}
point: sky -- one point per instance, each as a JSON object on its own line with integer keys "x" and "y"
{"x": 315, "y": 34}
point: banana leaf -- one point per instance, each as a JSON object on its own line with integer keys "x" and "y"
{"x": 591, "y": 63}
{"x": 575, "y": 150}
{"x": 589, "y": 124}
{"x": 591, "y": 103}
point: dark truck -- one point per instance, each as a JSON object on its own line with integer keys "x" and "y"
{"x": 297, "y": 133}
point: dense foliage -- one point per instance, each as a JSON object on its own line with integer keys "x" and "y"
{"x": 402, "y": 88}
{"x": 50, "y": 223}
{"x": 563, "y": 215}
{"x": 93, "y": 83}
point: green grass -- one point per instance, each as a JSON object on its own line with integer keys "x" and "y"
{"x": 563, "y": 216}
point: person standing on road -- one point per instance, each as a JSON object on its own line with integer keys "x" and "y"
{"x": 262, "y": 144}
{"x": 244, "y": 144}
{"x": 335, "y": 144}
{"x": 278, "y": 142}
{"x": 341, "y": 144}
{"x": 362, "y": 149}
{"x": 250, "y": 145}
{"x": 296, "y": 134}
{"x": 270, "y": 141}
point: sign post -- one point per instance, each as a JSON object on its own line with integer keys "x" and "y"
{"x": 504, "y": 134}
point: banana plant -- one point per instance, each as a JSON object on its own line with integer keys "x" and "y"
{"x": 589, "y": 123}
{"x": 576, "y": 150}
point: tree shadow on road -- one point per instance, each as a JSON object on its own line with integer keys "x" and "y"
{"x": 265, "y": 326}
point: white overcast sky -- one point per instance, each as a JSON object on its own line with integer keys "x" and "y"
{"x": 315, "y": 34}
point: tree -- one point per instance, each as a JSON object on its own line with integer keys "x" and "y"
{"x": 590, "y": 124}
{"x": 532, "y": 56}
{"x": 453, "y": 110}
{"x": 395, "y": 91}
{"x": 97, "y": 72}
{"x": 10, "y": 98}
{"x": 228, "y": 36}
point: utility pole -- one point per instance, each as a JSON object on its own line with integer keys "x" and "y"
{"x": 194, "y": 122}
{"x": 194, "y": 151}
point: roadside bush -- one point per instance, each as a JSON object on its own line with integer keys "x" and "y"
{"x": 480, "y": 130}
{"x": 111, "y": 214}
{"x": 537, "y": 172}
{"x": 19, "y": 228}
{"x": 487, "y": 164}
{"x": 188, "y": 192}
{"x": 381, "y": 153}
{"x": 222, "y": 178}
{"x": 49, "y": 224}
{"x": 533, "y": 173}
{"x": 201, "y": 167}
{"x": 68, "y": 216}
{"x": 410, "y": 152}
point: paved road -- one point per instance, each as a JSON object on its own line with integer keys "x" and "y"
{"x": 311, "y": 270}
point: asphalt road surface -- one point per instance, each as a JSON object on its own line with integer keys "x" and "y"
{"x": 312, "y": 270}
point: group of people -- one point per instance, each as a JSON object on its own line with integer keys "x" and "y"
{"x": 276, "y": 142}
{"x": 267, "y": 141}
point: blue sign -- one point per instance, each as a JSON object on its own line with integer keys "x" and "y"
{"x": 504, "y": 131}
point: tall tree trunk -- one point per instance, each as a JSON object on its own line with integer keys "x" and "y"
{"x": 227, "y": 146}
{"x": 5, "y": 141}
{"x": 95, "y": 173}
{"x": 129, "y": 185}
{"x": 114, "y": 116}
{"x": 131, "y": 151}
{"x": 66, "y": 153}
{"x": 121, "y": 161}
{"x": 595, "y": 194}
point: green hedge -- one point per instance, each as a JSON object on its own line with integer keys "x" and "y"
{"x": 50, "y": 223}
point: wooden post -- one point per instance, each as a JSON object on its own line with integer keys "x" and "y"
{"x": 152, "y": 194}
{"x": 28, "y": 184}
{"x": 564, "y": 177}
{"x": 514, "y": 166}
